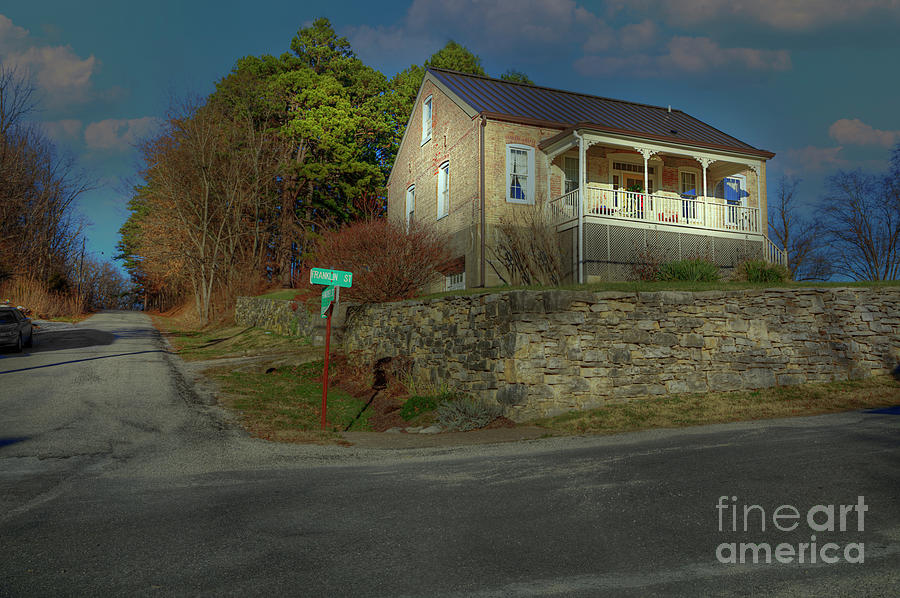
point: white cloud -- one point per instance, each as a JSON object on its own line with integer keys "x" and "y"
{"x": 118, "y": 134}
{"x": 63, "y": 130}
{"x": 638, "y": 35}
{"x": 58, "y": 71}
{"x": 856, "y": 132}
{"x": 814, "y": 159}
{"x": 514, "y": 27}
{"x": 786, "y": 15}
{"x": 695, "y": 55}
{"x": 499, "y": 26}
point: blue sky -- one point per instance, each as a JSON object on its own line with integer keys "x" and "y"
{"x": 814, "y": 81}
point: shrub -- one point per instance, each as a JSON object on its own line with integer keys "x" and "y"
{"x": 646, "y": 265}
{"x": 389, "y": 263}
{"x": 465, "y": 414}
{"x": 761, "y": 271}
{"x": 692, "y": 270}
{"x": 527, "y": 248}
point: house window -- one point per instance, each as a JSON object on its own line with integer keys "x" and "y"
{"x": 519, "y": 173}
{"x": 426, "y": 119}
{"x": 688, "y": 183}
{"x": 410, "y": 204}
{"x": 455, "y": 282}
{"x": 630, "y": 175}
{"x": 443, "y": 190}
{"x": 570, "y": 171}
{"x": 688, "y": 189}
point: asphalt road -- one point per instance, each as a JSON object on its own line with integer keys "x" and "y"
{"x": 118, "y": 479}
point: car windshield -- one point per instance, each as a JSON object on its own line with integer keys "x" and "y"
{"x": 7, "y": 317}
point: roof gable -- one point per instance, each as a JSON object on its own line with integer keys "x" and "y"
{"x": 566, "y": 109}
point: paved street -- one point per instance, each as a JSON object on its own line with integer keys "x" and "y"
{"x": 118, "y": 479}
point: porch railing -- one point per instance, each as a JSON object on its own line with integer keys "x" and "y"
{"x": 775, "y": 254}
{"x": 679, "y": 211}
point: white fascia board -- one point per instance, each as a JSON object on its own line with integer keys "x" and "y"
{"x": 594, "y": 138}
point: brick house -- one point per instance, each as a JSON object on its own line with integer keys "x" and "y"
{"x": 618, "y": 179}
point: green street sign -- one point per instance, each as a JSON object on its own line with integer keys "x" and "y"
{"x": 331, "y": 277}
{"x": 327, "y": 298}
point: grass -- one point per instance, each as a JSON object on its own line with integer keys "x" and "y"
{"x": 228, "y": 341}
{"x": 421, "y": 407}
{"x": 675, "y": 411}
{"x": 283, "y": 294}
{"x": 70, "y": 319}
{"x": 285, "y": 405}
{"x": 652, "y": 286}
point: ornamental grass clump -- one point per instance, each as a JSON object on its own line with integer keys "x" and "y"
{"x": 691, "y": 270}
{"x": 761, "y": 271}
{"x": 464, "y": 414}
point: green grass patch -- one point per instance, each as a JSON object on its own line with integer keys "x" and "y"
{"x": 286, "y": 404}
{"x": 231, "y": 341}
{"x": 418, "y": 406}
{"x": 282, "y": 294}
{"x": 673, "y": 411}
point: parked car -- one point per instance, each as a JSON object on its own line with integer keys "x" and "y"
{"x": 15, "y": 328}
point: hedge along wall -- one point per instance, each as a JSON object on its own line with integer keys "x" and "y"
{"x": 544, "y": 352}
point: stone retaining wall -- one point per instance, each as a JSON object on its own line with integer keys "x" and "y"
{"x": 544, "y": 352}
{"x": 289, "y": 318}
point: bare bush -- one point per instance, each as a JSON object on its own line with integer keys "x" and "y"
{"x": 389, "y": 263}
{"x": 527, "y": 249}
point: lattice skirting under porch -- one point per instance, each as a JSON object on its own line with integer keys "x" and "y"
{"x": 611, "y": 252}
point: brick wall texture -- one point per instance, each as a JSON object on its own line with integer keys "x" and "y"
{"x": 544, "y": 352}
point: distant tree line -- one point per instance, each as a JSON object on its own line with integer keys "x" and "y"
{"x": 238, "y": 186}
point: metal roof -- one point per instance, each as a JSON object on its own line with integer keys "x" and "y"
{"x": 532, "y": 104}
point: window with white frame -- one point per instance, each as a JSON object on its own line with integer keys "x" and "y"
{"x": 426, "y": 119}
{"x": 571, "y": 173}
{"x": 688, "y": 189}
{"x": 688, "y": 183}
{"x": 455, "y": 282}
{"x": 410, "y": 205}
{"x": 519, "y": 173}
{"x": 443, "y": 190}
{"x": 629, "y": 175}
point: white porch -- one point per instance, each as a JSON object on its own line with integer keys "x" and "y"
{"x": 657, "y": 186}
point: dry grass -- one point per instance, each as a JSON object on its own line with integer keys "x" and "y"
{"x": 227, "y": 341}
{"x": 696, "y": 409}
{"x": 284, "y": 403}
{"x": 42, "y": 303}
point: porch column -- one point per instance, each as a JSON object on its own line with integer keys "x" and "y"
{"x": 705, "y": 162}
{"x": 646, "y": 153}
{"x": 581, "y": 190}
{"x": 759, "y": 229}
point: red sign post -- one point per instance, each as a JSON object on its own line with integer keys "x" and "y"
{"x": 327, "y": 353}
{"x": 334, "y": 279}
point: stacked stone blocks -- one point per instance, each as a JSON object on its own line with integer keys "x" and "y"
{"x": 544, "y": 352}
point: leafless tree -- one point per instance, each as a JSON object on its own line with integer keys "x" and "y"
{"x": 862, "y": 225}
{"x": 802, "y": 239}
{"x": 39, "y": 229}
